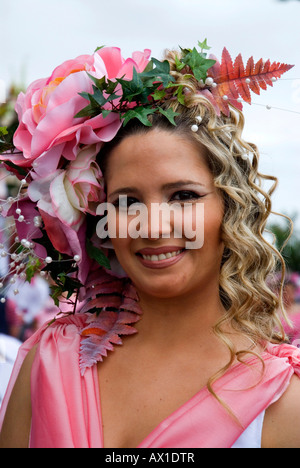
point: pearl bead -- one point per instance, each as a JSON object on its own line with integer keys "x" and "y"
{"x": 1, "y": 285}
{"x": 48, "y": 260}
{"x": 37, "y": 221}
{"x": 248, "y": 80}
{"x": 209, "y": 81}
{"x": 194, "y": 128}
{"x": 21, "y": 218}
{"x": 2, "y": 300}
{"x": 198, "y": 119}
{"x": 16, "y": 291}
{"x": 77, "y": 258}
{"x": 225, "y": 97}
{"x": 18, "y": 211}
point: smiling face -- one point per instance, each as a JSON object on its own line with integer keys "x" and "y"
{"x": 162, "y": 167}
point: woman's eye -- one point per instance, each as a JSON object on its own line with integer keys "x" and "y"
{"x": 185, "y": 195}
{"x": 124, "y": 202}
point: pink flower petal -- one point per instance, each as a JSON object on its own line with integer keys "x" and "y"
{"x": 62, "y": 207}
{"x": 113, "y": 60}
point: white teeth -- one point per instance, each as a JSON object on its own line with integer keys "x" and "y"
{"x": 156, "y": 258}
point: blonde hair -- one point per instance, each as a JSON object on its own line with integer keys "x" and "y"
{"x": 249, "y": 260}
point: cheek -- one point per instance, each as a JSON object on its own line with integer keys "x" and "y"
{"x": 213, "y": 219}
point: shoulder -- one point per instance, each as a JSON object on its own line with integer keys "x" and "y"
{"x": 282, "y": 420}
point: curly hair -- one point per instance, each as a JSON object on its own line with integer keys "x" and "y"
{"x": 249, "y": 259}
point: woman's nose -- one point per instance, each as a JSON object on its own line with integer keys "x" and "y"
{"x": 155, "y": 221}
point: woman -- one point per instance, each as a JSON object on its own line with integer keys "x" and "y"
{"x": 206, "y": 368}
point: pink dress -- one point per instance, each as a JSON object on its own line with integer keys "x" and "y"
{"x": 66, "y": 411}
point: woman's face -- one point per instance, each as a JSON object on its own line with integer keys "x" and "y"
{"x": 147, "y": 170}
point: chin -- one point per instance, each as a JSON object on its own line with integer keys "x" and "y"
{"x": 161, "y": 288}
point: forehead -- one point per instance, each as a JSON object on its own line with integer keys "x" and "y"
{"x": 156, "y": 154}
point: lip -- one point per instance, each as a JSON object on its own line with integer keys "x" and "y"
{"x": 160, "y": 263}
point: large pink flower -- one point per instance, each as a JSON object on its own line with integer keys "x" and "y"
{"x": 70, "y": 194}
{"x": 48, "y": 129}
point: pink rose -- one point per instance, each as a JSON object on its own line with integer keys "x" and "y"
{"x": 48, "y": 129}
{"x": 69, "y": 194}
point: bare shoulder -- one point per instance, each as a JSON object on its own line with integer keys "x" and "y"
{"x": 282, "y": 421}
{"x": 16, "y": 426}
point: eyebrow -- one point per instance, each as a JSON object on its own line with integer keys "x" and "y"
{"x": 170, "y": 185}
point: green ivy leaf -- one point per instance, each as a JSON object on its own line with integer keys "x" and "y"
{"x": 88, "y": 111}
{"x": 98, "y": 48}
{"x": 169, "y": 114}
{"x": 203, "y": 45}
{"x": 3, "y": 131}
{"x": 179, "y": 64}
{"x": 99, "y": 82}
{"x": 133, "y": 88}
{"x": 161, "y": 72}
{"x": 158, "y": 94}
{"x": 97, "y": 254}
{"x": 105, "y": 113}
{"x": 33, "y": 266}
{"x": 140, "y": 113}
{"x": 198, "y": 64}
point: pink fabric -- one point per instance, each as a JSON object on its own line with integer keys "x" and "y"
{"x": 67, "y": 412}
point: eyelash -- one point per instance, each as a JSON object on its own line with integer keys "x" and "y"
{"x": 188, "y": 196}
{"x": 192, "y": 196}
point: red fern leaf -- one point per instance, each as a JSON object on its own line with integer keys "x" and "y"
{"x": 253, "y": 85}
{"x": 240, "y": 81}
{"x": 228, "y": 76}
{"x": 234, "y": 80}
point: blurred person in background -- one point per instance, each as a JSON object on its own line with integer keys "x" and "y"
{"x": 30, "y": 308}
{"x": 292, "y": 307}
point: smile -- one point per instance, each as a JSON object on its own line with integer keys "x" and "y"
{"x": 162, "y": 258}
{"x": 156, "y": 258}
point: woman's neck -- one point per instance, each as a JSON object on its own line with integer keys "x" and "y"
{"x": 170, "y": 318}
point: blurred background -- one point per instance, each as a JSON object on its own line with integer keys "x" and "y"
{"x": 37, "y": 35}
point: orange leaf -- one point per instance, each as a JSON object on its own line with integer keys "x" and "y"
{"x": 234, "y": 80}
{"x": 93, "y": 331}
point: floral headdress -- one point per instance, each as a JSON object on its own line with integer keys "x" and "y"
{"x": 64, "y": 120}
